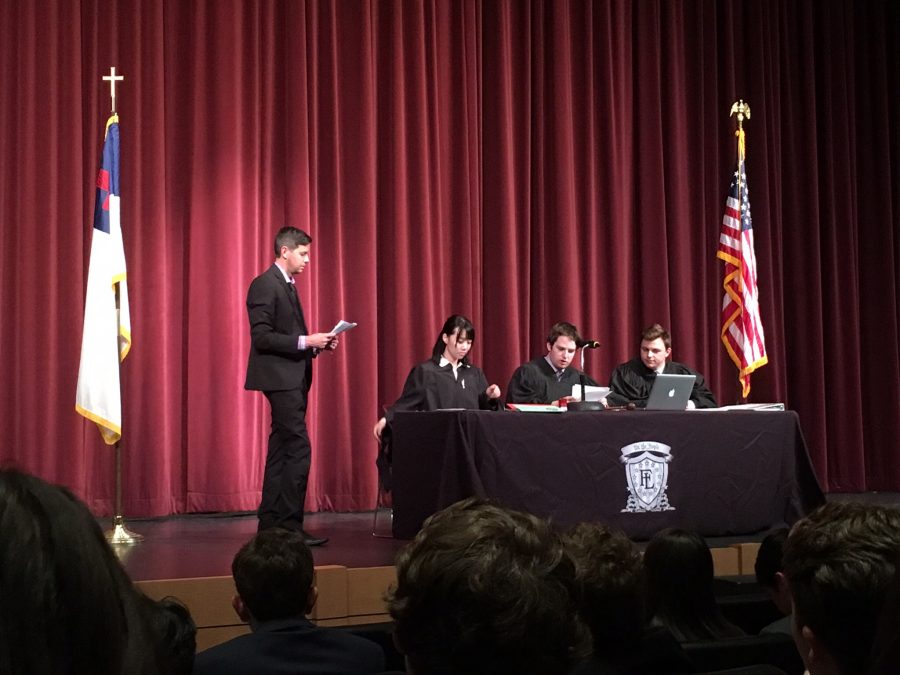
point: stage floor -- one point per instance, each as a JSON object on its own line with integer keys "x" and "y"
{"x": 180, "y": 547}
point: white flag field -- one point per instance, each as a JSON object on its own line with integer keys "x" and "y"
{"x": 106, "y": 339}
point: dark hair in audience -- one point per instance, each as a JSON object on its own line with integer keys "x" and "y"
{"x": 769, "y": 559}
{"x": 885, "y": 653}
{"x": 173, "y": 628}
{"x": 466, "y": 331}
{"x": 679, "y": 572}
{"x": 656, "y": 331}
{"x": 487, "y": 590}
{"x": 273, "y": 574}
{"x": 611, "y": 577}
{"x": 66, "y": 604}
{"x": 290, "y": 237}
{"x": 563, "y": 329}
{"x": 840, "y": 561}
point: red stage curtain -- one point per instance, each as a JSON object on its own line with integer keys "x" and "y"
{"x": 518, "y": 162}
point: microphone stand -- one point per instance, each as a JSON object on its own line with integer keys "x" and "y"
{"x": 584, "y": 405}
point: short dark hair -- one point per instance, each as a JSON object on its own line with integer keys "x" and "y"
{"x": 655, "y": 331}
{"x": 483, "y": 590}
{"x": 454, "y": 321}
{"x": 290, "y": 237}
{"x": 839, "y": 562}
{"x": 770, "y": 557}
{"x": 273, "y": 574}
{"x": 609, "y": 570}
{"x": 563, "y": 328}
{"x": 173, "y": 628}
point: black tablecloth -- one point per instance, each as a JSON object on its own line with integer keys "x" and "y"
{"x": 728, "y": 472}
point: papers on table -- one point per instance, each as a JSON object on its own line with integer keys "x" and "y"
{"x": 593, "y": 393}
{"x": 535, "y": 407}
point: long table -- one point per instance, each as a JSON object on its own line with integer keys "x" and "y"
{"x": 717, "y": 472}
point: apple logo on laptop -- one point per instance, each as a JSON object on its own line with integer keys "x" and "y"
{"x": 672, "y": 392}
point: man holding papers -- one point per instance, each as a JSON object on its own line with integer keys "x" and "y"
{"x": 280, "y": 366}
{"x": 632, "y": 381}
{"x": 550, "y": 377}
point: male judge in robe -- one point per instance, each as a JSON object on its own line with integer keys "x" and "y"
{"x": 632, "y": 381}
{"x": 550, "y": 377}
{"x": 280, "y": 366}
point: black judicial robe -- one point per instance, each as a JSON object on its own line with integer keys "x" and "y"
{"x": 535, "y": 382}
{"x": 631, "y": 382}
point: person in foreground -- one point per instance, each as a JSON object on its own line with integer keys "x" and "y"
{"x": 840, "y": 562}
{"x": 281, "y": 366}
{"x": 484, "y": 590}
{"x": 66, "y": 605}
{"x": 769, "y": 569}
{"x": 632, "y": 381}
{"x": 609, "y": 569}
{"x": 549, "y": 377}
{"x": 678, "y": 568}
{"x": 273, "y": 575}
{"x": 447, "y": 379}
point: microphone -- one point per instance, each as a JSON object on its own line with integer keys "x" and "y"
{"x": 588, "y": 344}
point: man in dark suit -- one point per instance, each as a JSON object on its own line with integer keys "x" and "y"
{"x": 273, "y": 575}
{"x": 280, "y": 366}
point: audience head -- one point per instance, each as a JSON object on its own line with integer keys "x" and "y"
{"x": 679, "y": 584}
{"x": 484, "y": 589}
{"x": 769, "y": 568}
{"x": 273, "y": 575}
{"x": 885, "y": 653}
{"x": 562, "y": 342}
{"x": 174, "y": 631}
{"x": 457, "y": 334}
{"x": 611, "y": 578}
{"x": 840, "y": 562}
{"x": 66, "y": 604}
{"x": 656, "y": 346}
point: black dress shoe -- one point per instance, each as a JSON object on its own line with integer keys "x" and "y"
{"x": 310, "y": 540}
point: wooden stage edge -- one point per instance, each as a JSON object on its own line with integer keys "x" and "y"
{"x": 189, "y": 557}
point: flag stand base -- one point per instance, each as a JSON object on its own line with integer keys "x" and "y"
{"x": 121, "y": 534}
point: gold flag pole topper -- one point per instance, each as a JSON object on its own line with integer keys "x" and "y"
{"x": 119, "y": 534}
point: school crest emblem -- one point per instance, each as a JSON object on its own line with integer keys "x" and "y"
{"x": 647, "y": 472}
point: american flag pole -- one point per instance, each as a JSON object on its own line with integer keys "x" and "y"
{"x": 742, "y": 331}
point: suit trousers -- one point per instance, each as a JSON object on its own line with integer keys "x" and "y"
{"x": 288, "y": 461}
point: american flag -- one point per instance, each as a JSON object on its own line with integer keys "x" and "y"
{"x": 742, "y": 330}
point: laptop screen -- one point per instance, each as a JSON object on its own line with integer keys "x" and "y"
{"x": 670, "y": 392}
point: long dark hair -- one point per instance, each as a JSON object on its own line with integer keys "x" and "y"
{"x": 680, "y": 596}
{"x": 67, "y": 604}
{"x": 454, "y": 322}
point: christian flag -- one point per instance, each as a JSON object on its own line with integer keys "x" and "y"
{"x": 107, "y": 323}
{"x": 742, "y": 330}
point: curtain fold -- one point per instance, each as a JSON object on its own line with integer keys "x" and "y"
{"x": 520, "y": 163}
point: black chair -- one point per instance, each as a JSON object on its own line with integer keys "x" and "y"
{"x": 774, "y": 650}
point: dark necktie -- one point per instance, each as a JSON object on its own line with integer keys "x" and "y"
{"x": 295, "y": 301}
{"x": 559, "y": 375}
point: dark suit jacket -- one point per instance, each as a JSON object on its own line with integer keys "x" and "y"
{"x": 276, "y": 324}
{"x": 292, "y": 646}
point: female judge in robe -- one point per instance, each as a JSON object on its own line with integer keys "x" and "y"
{"x": 446, "y": 380}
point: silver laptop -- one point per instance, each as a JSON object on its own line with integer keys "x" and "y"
{"x": 670, "y": 392}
